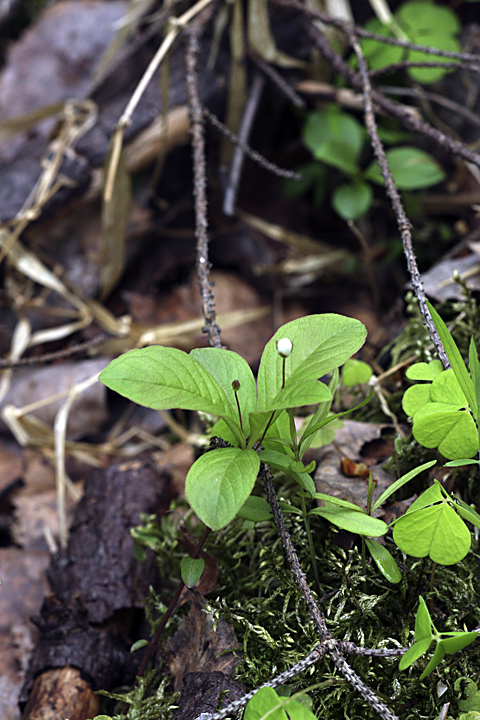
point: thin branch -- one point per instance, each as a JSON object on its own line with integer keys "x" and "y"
{"x": 200, "y": 183}
{"x": 394, "y": 196}
{"x": 406, "y": 64}
{"x": 252, "y": 154}
{"x": 52, "y": 356}
{"x": 315, "y": 613}
{"x": 278, "y": 80}
{"x": 361, "y": 32}
{"x": 250, "y": 111}
{"x": 408, "y": 119}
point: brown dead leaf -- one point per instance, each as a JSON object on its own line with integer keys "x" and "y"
{"x": 197, "y": 647}
{"x": 350, "y": 441}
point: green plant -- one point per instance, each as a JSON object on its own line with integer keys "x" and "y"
{"x": 266, "y": 703}
{"x": 425, "y": 634}
{"x": 337, "y": 139}
{"x": 420, "y": 22}
{"x": 445, "y": 408}
{"x": 433, "y": 526}
{"x": 220, "y": 382}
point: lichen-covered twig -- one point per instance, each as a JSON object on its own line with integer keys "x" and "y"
{"x": 200, "y": 182}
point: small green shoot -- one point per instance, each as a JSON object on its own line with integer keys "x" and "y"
{"x": 267, "y": 705}
{"x": 425, "y": 634}
{"x": 192, "y": 570}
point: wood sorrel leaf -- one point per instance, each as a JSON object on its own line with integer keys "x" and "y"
{"x": 430, "y": 496}
{"x": 413, "y": 653}
{"x": 219, "y": 482}
{"x": 356, "y": 372}
{"x": 423, "y": 622}
{"x": 356, "y": 522}
{"x": 320, "y": 344}
{"x": 164, "y": 378}
{"x": 226, "y": 366}
{"x": 191, "y": 570}
{"x": 424, "y": 371}
{"x": 455, "y": 641}
{"x": 414, "y": 398}
{"x": 436, "y": 531}
{"x": 445, "y": 388}
{"x": 455, "y": 358}
{"x": 453, "y": 431}
{"x": 384, "y": 561}
{"x": 435, "y": 660}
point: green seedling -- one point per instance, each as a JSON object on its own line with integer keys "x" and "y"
{"x": 444, "y": 409}
{"x": 420, "y": 22}
{"x": 360, "y": 521}
{"x": 252, "y": 416}
{"x": 433, "y": 527}
{"x": 425, "y": 634}
{"x": 266, "y": 704}
{"x": 337, "y": 139}
{"x": 191, "y": 570}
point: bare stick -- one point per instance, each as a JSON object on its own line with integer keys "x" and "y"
{"x": 52, "y": 356}
{"x": 278, "y": 80}
{"x": 361, "y": 32}
{"x": 394, "y": 196}
{"x": 200, "y": 186}
{"x": 239, "y": 154}
{"x": 315, "y": 613}
{"x": 252, "y": 154}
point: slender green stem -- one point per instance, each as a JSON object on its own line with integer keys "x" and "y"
{"x": 311, "y": 546}
{"x": 293, "y": 435}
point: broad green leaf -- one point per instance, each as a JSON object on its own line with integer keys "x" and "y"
{"x": 334, "y": 137}
{"x": 474, "y": 370}
{"x": 436, "y": 659}
{"x": 352, "y": 200}
{"x": 219, "y": 482}
{"x": 298, "y": 393}
{"x": 445, "y": 389}
{"x": 423, "y": 622}
{"x": 164, "y": 378}
{"x": 436, "y": 531}
{"x": 351, "y": 520}
{"x": 412, "y": 169}
{"x": 321, "y": 343}
{"x": 400, "y": 483}
{"x": 424, "y": 371}
{"x": 265, "y": 703}
{"x": 255, "y": 509}
{"x": 420, "y": 17}
{"x": 261, "y": 420}
{"x": 455, "y": 358}
{"x": 414, "y": 398}
{"x": 453, "y": 432}
{"x": 226, "y": 366}
{"x": 455, "y": 641}
{"x": 440, "y": 41}
{"x": 221, "y": 430}
{"x": 384, "y": 561}
{"x": 356, "y": 372}
{"x": 298, "y": 710}
{"x": 279, "y": 461}
{"x": 191, "y": 570}
{"x": 467, "y": 513}
{"x": 413, "y": 653}
{"x": 379, "y": 54}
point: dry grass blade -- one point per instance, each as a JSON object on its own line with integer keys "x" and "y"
{"x": 13, "y": 126}
{"x": 115, "y": 216}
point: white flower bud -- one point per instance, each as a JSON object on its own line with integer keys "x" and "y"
{"x": 284, "y": 347}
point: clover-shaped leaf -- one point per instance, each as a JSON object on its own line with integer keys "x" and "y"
{"x": 435, "y": 531}
{"x": 453, "y": 431}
